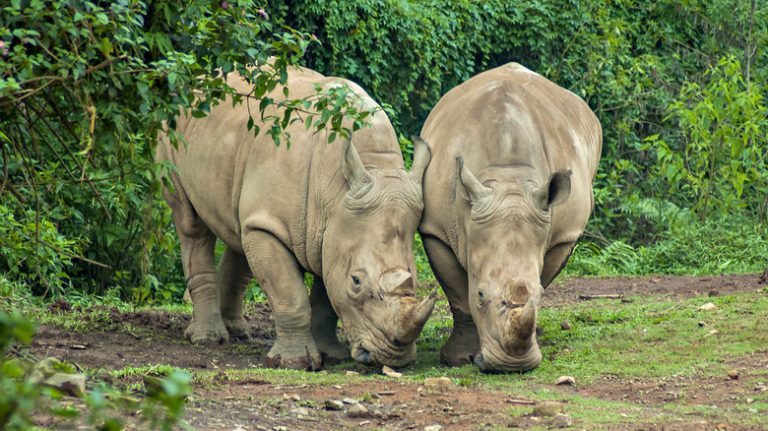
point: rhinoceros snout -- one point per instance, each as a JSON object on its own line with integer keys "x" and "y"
{"x": 363, "y": 356}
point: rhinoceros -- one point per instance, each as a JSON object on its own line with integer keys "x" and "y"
{"x": 346, "y": 212}
{"x": 507, "y": 195}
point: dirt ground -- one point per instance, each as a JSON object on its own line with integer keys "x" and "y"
{"x": 251, "y": 404}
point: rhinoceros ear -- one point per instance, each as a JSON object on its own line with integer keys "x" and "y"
{"x": 353, "y": 169}
{"x": 421, "y": 157}
{"x": 476, "y": 191}
{"x": 559, "y": 188}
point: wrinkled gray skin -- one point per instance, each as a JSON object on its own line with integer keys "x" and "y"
{"x": 507, "y": 194}
{"x": 345, "y": 212}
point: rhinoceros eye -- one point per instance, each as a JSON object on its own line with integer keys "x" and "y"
{"x": 356, "y": 280}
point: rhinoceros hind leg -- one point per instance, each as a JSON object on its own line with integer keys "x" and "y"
{"x": 234, "y": 276}
{"x": 197, "y": 260}
{"x": 282, "y": 279}
{"x": 324, "y": 321}
{"x": 464, "y": 343}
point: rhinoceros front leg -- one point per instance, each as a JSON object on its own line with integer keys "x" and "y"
{"x": 324, "y": 320}
{"x": 234, "y": 276}
{"x": 464, "y": 343}
{"x": 282, "y": 279}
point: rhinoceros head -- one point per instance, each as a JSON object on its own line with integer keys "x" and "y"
{"x": 507, "y": 233}
{"x": 368, "y": 264}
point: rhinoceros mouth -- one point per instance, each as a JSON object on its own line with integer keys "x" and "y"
{"x": 389, "y": 355}
{"x": 488, "y": 361}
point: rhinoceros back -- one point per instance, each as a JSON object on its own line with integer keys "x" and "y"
{"x": 509, "y": 116}
{"x": 229, "y": 176}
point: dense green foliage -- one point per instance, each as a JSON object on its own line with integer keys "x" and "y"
{"x": 679, "y": 87}
{"x": 86, "y": 85}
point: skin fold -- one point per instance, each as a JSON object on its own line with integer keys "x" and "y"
{"x": 345, "y": 212}
{"x": 507, "y": 195}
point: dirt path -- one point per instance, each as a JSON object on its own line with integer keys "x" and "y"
{"x": 231, "y": 403}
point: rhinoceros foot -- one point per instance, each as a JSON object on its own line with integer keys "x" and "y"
{"x": 207, "y": 332}
{"x": 305, "y": 358}
{"x": 459, "y": 350}
{"x": 332, "y": 351}
{"x": 239, "y": 329}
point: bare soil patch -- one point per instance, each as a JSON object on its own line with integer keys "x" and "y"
{"x": 662, "y": 286}
{"x": 150, "y": 337}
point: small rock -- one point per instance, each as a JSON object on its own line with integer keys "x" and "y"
{"x": 708, "y": 307}
{"x": 336, "y": 386}
{"x": 566, "y": 380}
{"x": 334, "y": 405}
{"x": 565, "y": 326}
{"x": 562, "y": 421}
{"x": 239, "y": 428}
{"x": 280, "y": 428}
{"x": 547, "y": 408}
{"x": 750, "y": 400}
{"x": 390, "y": 372}
{"x": 352, "y": 373}
{"x": 295, "y": 397}
{"x": 68, "y": 384}
{"x": 349, "y": 401}
{"x": 712, "y": 332}
{"x": 733, "y": 374}
{"x": 702, "y": 324}
{"x": 300, "y": 411}
{"x": 357, "y": 410}
{"x": 434, "y": 427}
{"x": 437, "y": 381}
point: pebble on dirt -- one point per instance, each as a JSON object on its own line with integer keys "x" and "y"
{"x": 69, "y": 384}
{"x": 437, "y": 381}
{"x": 702, "y": 323}
{"x": 547, "y": 408}
{"x": 357, "y": 410}
{"x": 433, "y": 428}
{"x": 565, "y": 325}
{"x": 300, "y": 411}
{"x": 334, "y": 405}
{"x": 566, "y": 380}
{"x": 562, "y": 421}
{"x": 389, "y": 372}
{"x": 708, "y": 307}
{"x": 733, "y": 374}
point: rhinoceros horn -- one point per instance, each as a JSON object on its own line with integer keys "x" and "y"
{"x": 521, "y": 326}
{"x": 475, "y": 189}
{"x": 421, "y": 157}
{"x": 354, "y": 171}
{"x": 412, "y": 316}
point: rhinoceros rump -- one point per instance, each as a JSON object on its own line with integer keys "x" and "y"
{"x": 345, "y": 213}
{"x": 507, "y": 194}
